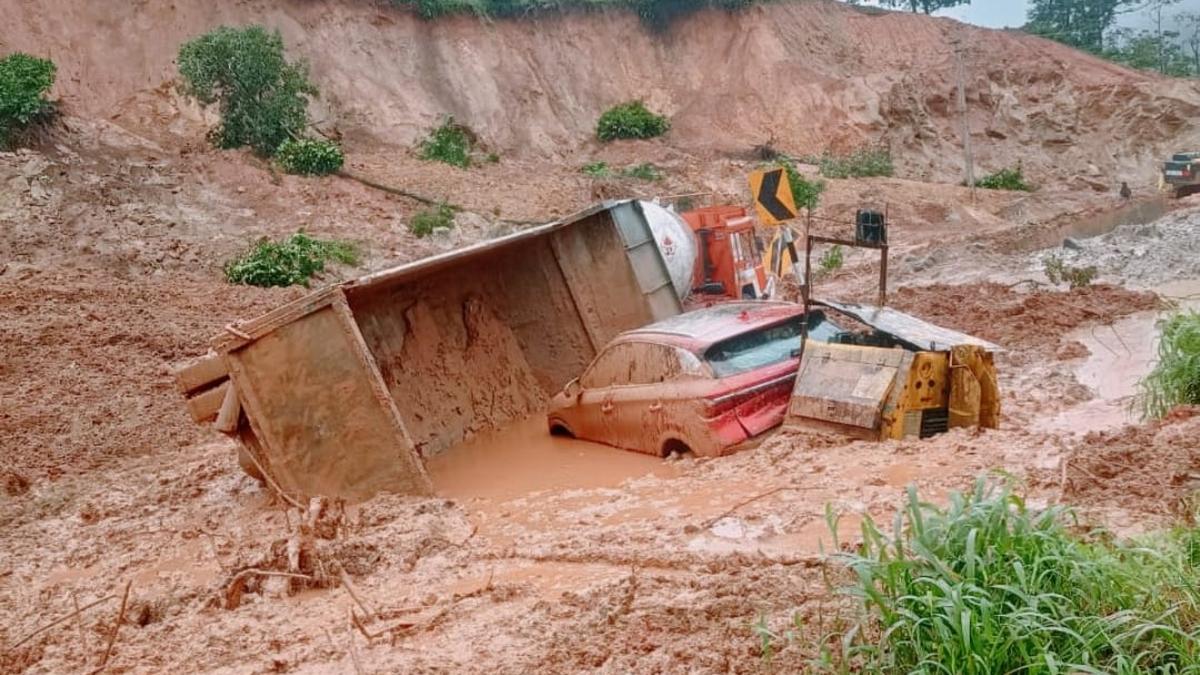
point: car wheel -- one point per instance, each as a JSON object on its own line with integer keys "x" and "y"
{"x": 560, "y": 428}
{"x": 675, "y": 445}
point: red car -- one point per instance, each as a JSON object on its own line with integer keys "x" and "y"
{"x": 703, "y": 381}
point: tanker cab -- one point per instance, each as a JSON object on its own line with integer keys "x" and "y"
{"x": 729, "y": 263}
{"x": 747, "y": 263}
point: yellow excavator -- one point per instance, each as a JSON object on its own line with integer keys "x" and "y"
{"x": 876, "y": 373}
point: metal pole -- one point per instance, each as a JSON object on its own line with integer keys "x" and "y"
{"x": 883, "y": 262}
{"x": 962, "y": 113}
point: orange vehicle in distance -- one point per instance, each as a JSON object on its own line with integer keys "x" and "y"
{"x": 704, "y": 381}
{"x": 728, "y": 263}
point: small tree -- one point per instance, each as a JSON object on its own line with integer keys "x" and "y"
{"x": 630, "y": 120}
{"x": 263, "y": 97}
{"x": 24, "y": 82}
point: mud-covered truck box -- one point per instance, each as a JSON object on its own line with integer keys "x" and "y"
{"x": 344, "y": 392}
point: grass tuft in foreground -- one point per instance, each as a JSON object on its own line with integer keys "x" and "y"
{"x": 290, "y": 262}
{"x": 990, "y": 585}
{"x": 1175, "y": 379}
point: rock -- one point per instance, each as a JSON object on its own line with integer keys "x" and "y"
{"x": 1072, "y": 244}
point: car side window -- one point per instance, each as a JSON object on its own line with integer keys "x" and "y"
{"x": 659, "y": 363}
{"x": 609, "y": 369}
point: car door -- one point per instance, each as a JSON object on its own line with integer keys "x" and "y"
{"x": 595, "y": 414}
{"x": 647, "y": 405}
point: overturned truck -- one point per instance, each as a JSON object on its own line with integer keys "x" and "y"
{"x": 343, "y": 392}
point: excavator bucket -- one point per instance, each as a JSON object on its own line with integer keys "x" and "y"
{"x": 846, "y": 388}
{"x": 901, "y": 378}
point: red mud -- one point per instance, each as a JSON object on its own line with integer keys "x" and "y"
{"x": 1016, "y": 320}
{"x": 1151, "y": 469}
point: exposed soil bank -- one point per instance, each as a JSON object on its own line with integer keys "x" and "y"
{"x": 538, "y": 86}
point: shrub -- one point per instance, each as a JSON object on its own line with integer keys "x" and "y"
{"x": 1005, "y": 179}
{"x": 832, "y": 259}
{"x": 290, "y": 262}
{"x": 425, "y": 222}
{"x": 989, "y": 586}
{"x": 866, "y": 162}
{"x": 1175, "y": 379}
{"x": 805, "y": 192}
{"x": 449, "y": 143}
{"x": 24, "y": 82}
{"x": 1058, "y": 272}
{"x": 630, "y": 120}
{"x": 643, "y": 172}
{"x": 263, "y": 98}
{"x": 597, "y": 170}
{"x": 314, "y": 157}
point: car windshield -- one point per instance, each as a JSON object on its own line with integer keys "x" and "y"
{"x": 771, "y": 345}
{"x": 755, "y": 349}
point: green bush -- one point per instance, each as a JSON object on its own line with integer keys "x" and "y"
{"x": 24, "y": 82}
{"x": 832, "y": 259}
{"x": 866, "y": 162}
{"x": 643, "y": 172}
{"x": 287, "y": 263}
{"x": 1005, "y": 179}
{"x": 597, "y": 170}
{"x": 425, "y": 222}
{"x": 805, "y": 192}
{"x": 263, "y": 98}
{"x": 449, "y": 143}
{"x": 310, "y": 156}
{"x": 630, "y": 120}
{"x": 988, "y": 585}
{"x": 1175, "y": 379}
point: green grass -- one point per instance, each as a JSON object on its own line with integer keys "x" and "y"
{"x": 597, "y": 170}
{"x": 832, "y": 259}
{"x": 1175, "y": 379}
{"x": 310, "y": 157}
{"x": 991, "y": 585}
{"x": 646, "y": 171}
{"x": 1005, "y": 179}
{"x": 290, "y": 262}
{"x": 449, "y": 143}
{"x": 630, "y": 120}
{"x": 1058, "y": 272}
{"x": 865, "y": 162}
{"x": 425, "y": 222}
{"x": 805, "y": 192}
{"x": 24, "y": 82}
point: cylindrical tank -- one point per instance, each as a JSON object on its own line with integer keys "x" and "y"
{"x": 676, "y": 242}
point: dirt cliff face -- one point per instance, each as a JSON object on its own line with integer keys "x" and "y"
{"x": 810, "y": 75}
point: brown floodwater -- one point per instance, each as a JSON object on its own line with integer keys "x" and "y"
{"x": 1122, "y": 353}
{"x": 524, "y": 458}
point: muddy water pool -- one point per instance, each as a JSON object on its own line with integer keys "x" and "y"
{"x": 1121, "y": 354}
{"x": 524, "y": 458}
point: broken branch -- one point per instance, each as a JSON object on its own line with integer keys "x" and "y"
{"x": 54, "y": 623}
{"x": 112, "y": 637}
{"x": 709, "y": 523}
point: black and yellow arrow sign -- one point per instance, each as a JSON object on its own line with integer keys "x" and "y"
{"x": 772, "y": 196}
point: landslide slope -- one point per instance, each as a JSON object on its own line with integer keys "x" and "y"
{"x": 810, "y": 74}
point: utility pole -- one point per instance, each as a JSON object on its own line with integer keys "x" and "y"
{"x": 968, "y": 157}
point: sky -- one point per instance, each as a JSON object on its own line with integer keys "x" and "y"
{"x": 1011, "y": 13}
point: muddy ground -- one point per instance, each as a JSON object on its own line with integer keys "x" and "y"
{"x": 542, "y": 554}
{"x": 538, "y": 553}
